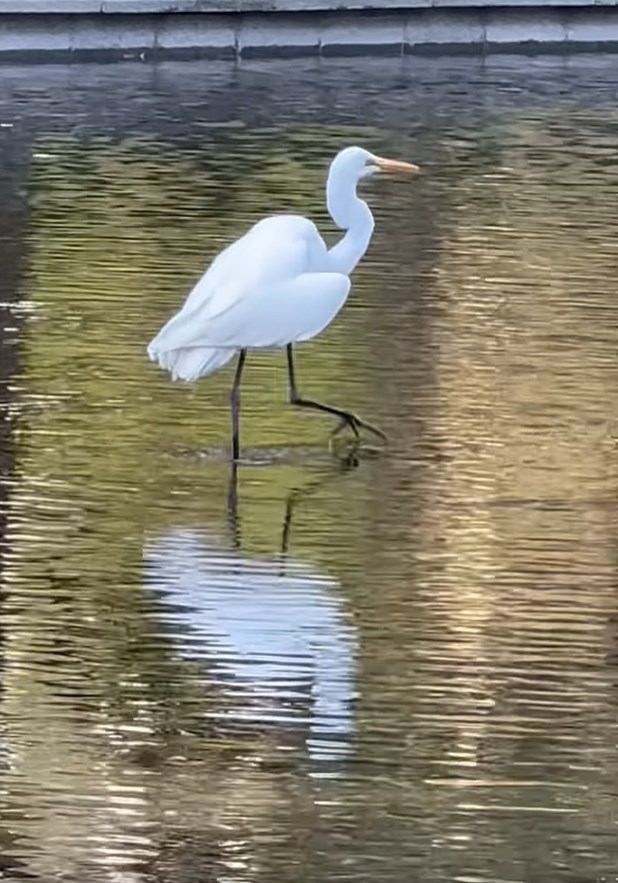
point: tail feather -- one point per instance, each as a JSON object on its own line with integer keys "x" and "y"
{"x": 189, "y": 363}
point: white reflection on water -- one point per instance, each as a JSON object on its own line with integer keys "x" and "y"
{"x": 272, "y": 634}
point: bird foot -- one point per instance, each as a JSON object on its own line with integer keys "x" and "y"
{"x": 346, "y": 451}
{"x": 355, "y": 423}
{"x": 349, "y": 450}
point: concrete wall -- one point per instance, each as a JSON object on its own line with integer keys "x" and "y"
{"x": 267, "y": 6}
{"x": 74, "y": 29}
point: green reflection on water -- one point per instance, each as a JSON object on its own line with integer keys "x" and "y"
{"x": 485, "y": 696}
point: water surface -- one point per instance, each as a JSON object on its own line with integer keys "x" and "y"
{"x": 404, "y": 671}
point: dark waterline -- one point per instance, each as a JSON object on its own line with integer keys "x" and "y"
{"x": 406, "y": 671}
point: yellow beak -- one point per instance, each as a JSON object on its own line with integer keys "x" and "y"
{"x": 395, "y": 165}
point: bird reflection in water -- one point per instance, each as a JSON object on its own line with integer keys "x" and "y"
{"x": 272, "y": 634}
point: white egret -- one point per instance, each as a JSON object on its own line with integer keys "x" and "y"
{"x": 277, "y": 285}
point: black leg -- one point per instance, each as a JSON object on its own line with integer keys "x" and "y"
{"x": 346, "y": 417}
{"x": 236, "y": 405}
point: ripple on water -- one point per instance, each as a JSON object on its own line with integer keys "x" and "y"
{"x": 401, "y": 671}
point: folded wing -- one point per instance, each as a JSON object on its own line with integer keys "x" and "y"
{"x": 266, "y": 290}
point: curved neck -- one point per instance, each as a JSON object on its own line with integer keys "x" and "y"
{"x": 351, "y": 214}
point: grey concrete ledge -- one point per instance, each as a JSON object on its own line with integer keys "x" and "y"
{"x": 215, "y": 7}
{"x": 70, "y": 35}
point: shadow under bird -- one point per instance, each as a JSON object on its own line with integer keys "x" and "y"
{"x": 277, "y": 285}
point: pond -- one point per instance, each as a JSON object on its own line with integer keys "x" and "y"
{"x": 401, "y": 671}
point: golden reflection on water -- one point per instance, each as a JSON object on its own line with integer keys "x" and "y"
{"x": 455, "y": 598}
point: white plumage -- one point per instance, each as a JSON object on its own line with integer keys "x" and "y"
{"x": 279, "y": 297}
{"x": 277, "y": 285}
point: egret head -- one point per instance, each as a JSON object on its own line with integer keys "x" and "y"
{"x": 349, "y": 167}
{"x": 357, "y": 163}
